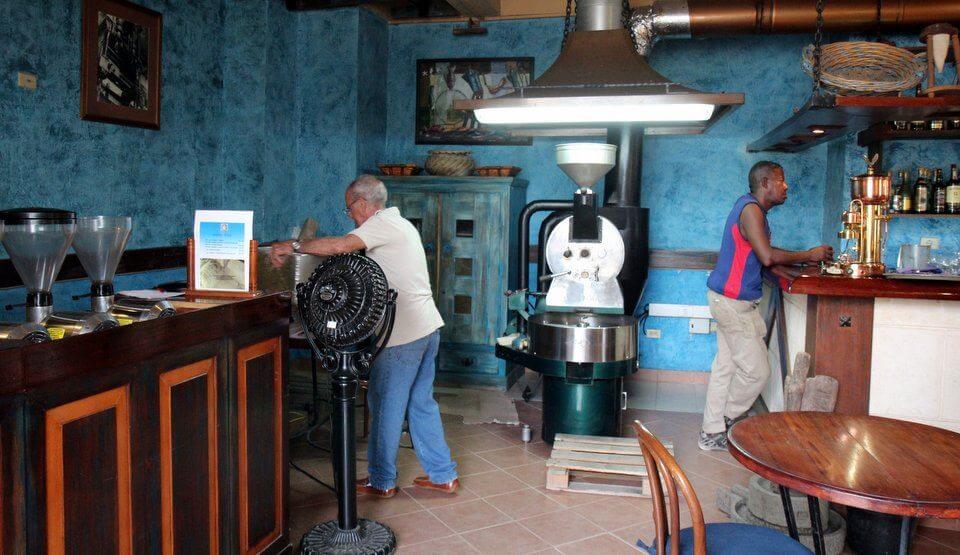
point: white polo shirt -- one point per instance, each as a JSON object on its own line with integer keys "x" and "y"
{"x": 394, "y": 244}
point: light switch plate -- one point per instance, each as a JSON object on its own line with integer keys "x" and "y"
{"x": 934, "y": 242}
{"x": 26, "y": 80}
{"x": 653, "y": 334}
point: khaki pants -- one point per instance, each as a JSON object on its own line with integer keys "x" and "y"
{"x": 741, "y": 367}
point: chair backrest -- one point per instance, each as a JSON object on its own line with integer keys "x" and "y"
{"x": 664, "y": 473}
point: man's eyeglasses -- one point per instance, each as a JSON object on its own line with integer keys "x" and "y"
{"x": 346, "y": 211}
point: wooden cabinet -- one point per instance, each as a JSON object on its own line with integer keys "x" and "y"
{"x": 160, "y": 437}
{"x": 469, "y": 231}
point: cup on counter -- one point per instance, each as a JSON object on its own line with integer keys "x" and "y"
{"x": 913, "y": 258}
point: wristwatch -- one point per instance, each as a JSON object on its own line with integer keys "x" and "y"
{"x": 296, "y": 246}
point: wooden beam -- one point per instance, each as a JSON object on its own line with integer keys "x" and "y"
{"x": 476, "y": 8}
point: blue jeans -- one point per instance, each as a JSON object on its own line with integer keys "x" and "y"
{"x": 401, "y": 384}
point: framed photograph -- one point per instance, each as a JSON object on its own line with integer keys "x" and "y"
{"x": 441, "y": 81}
{"x": 120, "y": 65}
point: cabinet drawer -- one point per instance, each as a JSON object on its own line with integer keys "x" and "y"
{"x": 467, "y": 359}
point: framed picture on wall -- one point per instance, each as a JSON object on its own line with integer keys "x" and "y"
{"x": 441, "y": 81}
{"x": 120, "y": 65}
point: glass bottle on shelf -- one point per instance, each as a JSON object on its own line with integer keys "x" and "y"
{"x": 953, "y": 191}
{"x": 921, "y": 193}
{"x": 907, "y": 192}
{"x": 896, "y": 198}
{"x": 939, "y": 197}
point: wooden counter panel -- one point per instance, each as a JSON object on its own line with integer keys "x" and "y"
{"x": 188, "y": 459}
{"x": 876, "y": 287}
{"x": 260, "y": 440}
{"x": 839, "y": 333}
{"x": 88, "y": 472}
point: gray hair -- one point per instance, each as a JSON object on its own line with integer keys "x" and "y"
{"x": 760, "y": 170}
{"x": 370, "y": 189}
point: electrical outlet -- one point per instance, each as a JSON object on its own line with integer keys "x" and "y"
{"x": 699, "y": 325}
{"x": 26, "y": 80}
{"x": 934, "y": 242}
{"x": 653, "y": 334}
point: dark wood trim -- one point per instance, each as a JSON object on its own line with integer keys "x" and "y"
{"x": 876, "y": 287}
{"x": 133, "y": 261}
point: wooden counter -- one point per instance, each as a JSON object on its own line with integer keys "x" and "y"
{"x": 839, "y": 286}
{"x": 159, "y": 437}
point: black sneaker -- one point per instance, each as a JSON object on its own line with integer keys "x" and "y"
{"x": 713, "y": 442}
{"x": 729, "y": 422}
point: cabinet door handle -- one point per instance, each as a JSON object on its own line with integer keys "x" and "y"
{"x": 466, "y": 361}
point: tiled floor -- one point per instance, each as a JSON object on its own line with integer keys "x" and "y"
{"x": 503, "y": 507}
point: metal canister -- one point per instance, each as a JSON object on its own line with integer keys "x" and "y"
{"x": 525, "y": 433}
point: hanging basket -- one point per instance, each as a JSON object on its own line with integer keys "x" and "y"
{"x": 865, "y": 68}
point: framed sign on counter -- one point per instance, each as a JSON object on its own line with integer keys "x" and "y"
{"x": 222, "y": 255}
{"x": 120, "y": 63}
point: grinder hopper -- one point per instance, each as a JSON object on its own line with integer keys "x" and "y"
{"x": 37, "y": 239}
{"x": 99, "y": 243}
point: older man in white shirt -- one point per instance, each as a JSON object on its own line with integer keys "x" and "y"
{"x": 401, "y": 379}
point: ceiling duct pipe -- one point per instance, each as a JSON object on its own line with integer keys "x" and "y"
{"x": 709, "y": 18}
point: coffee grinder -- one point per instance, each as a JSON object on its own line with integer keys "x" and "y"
{"x": 864, "y": 225}
{"x": 99, "y": 242}
{"x": 37, "y": 240}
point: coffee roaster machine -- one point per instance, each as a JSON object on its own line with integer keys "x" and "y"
{"x": 37, "y": 241}
{"x": 580, "y": 333}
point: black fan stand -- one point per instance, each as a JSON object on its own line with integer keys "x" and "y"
{"x": 348, "y": 534}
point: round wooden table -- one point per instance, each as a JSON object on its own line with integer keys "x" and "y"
{"x": 868, "y": 462}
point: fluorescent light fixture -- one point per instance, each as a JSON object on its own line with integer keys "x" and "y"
{"x": 598, "y": 113}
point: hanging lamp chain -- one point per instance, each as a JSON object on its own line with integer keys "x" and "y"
{"x": 817, "y": 47}
{"x": 566, "y": 23}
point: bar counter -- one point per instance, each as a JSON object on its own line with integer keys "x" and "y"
{"x": 158, "y": 437}
{"x": 892, "y": 344}
{"x": 881, "y": 287}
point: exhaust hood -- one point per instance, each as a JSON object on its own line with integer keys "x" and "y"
{"x": 599, "y": 79}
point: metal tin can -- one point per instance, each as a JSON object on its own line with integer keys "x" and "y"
{"x": 525, "y": 433}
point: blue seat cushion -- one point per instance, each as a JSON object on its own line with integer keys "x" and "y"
{"x": 730, "y": 538}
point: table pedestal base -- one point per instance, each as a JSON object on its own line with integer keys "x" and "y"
{"x": 871, "y": 532}
{"x": 867, "y": 531}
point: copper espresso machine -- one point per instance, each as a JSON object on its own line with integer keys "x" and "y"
{"x": 864, "y": 225}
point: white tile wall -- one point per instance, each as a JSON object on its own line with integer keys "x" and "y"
{"x": 916, "y": 361}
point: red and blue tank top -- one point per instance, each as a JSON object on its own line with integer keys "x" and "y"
{"x": 737, "y": 274}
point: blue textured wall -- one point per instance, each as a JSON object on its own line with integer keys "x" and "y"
{"x": 274, "y": 111}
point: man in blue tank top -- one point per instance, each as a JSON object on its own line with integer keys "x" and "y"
{"x": 741, "y": 367}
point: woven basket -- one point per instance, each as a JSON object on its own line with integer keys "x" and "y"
{"x": 865, "y": 68}
{"x": 449, "y": 162}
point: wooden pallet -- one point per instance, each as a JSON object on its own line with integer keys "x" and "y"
{"x": 575, "y": 459}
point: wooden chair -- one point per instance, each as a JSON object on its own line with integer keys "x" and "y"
{"x": 720, "y": 538}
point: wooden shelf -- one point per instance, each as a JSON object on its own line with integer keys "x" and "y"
{"x": 836, "y": 116}
{"x": 884, "y": 132}
{"x": 910, "y": 215}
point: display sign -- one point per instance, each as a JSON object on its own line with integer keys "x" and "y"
{"x": 221, "y": 250}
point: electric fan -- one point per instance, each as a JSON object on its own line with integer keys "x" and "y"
{"x": 347, "y": 314}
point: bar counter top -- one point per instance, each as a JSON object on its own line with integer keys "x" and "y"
{"x": 841, "y": 286}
